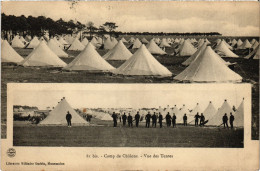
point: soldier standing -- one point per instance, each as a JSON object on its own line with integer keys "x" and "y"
{"x": 185, "y": 120}
{"x": 147, "y": 118}
{"x": 124, "y": 119}
{"x": 137, "y": 118}
{"x": 225, "y": 120}
{"x": 202, "y": 119}
{"x": 114, "y": 116}
{"x": 68, "y": 118}
{"x": 168, "y": 119}
{"x": 130, "y": 120}
{"x": 154, "y": 119}
{"x": 197, "y": 119}
{"x": 231, "y": 120}
{"x": 174, "y": 120}
{"x": 160, "y": 119}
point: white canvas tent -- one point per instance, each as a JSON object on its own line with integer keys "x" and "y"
{"x": 164, "y": 43}
{"x": 136, "y": 44}
{"x": 224, "y": 51}
{"x": 90, "y": 60}
{"x": 123, "y": 40}
{"x": 210, "y": 111}
{"x": 195, "y": 55}
{"x": 182, "y": 111}
{"x": 254, "y": 54}
{"x": 208, "y": 67}
{"x": 33, "y": 43}
{"x": 56, "y": 49}
{"x": 108, "y": 44}
{"x": 58, "y": 115}
{"x": 119, "y": 52}
{"x": 186, "y": 49}
{"x": 17, "y": 43}
{"x": 216, "y": 120}
{"x": 246, "y": 45}
{"x": 153, "y": 48}
{"x": 42, "y": 55}
{"x": 76, "y": 45}
{"x": 142, "y": 63}
{"x": 84, "y": 41}
{"x": 239, "y": 115}
{"x": 144, "y": 40}
{"x": 106, "y": 117}
{"x": 8, "y": 54}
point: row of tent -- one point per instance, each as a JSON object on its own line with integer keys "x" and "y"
{"x": 214, "y": 116}
{"x": 204, "y": 65}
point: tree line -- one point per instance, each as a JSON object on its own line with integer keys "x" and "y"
{"x": 38, "y": 26}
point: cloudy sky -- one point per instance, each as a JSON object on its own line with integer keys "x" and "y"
{"x": 128, "y": 95}
{"x": 228, "y": 18}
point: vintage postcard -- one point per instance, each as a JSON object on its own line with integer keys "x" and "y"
{"x": 129, "y": 85}
{"x": 128, "y": 126}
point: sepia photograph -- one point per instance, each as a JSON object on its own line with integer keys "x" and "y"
{"x": 110, "y": 115}
{"x": 111, "y": 42}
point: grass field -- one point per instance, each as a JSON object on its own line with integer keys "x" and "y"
{"x": 248, "y": 69}
{"x": 104, "y": 135}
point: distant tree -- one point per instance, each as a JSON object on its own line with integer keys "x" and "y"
{"x": 91, "y": 28}
{"x": 110, "y": 27}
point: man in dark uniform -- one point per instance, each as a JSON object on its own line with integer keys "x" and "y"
{"x": 168, "y": 119}
{"x": 174, "y": 120}
{"x": 202, "y": 119}
{"x": 160, "y": 119}
{"x": 154, "y": 119}
{"x": 68, "y": 118}
{"x": 147, "y": 118}
{"x": 197, "y": 116}
{"x": 130, "y": 120}
{"x": 231, "y": 120}
{"x": 114, "y": 116}
{"x": 137, "y": 118}
{"x": 225, "y": 120}
{"x": 124, "y": 119}
{"x": 185, "y": 120}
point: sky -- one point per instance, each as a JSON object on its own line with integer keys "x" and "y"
{"x": 227, "y": 18}
{"x": 128, "y": 95}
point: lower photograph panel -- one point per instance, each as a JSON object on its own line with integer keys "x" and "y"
{"x": 128, "y": 115}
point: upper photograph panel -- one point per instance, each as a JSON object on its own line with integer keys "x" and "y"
{"x": 121, "y": 42}
{"x": 130, "y": 42}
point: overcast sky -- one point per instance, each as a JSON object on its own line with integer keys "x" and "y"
{"x": 128, "y": 95}
{"x": 228, "y": 18}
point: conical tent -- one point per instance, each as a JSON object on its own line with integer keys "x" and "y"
{"x": 17, "y": 43}
{"x": 186, "y": 49}
{"x": 252, "y": 41}
{"x": 239, "y": 115}
{"x": 8, "y": 54}
{"x": 257, "y": 54}
{"x": 246, "y": 45}
{"x": 123, "y": 40}
{"x": 131, "y": 40}
{"x": 108, "y": 44}
{"x": 223, "y": 50}
{"x": 114, "y": 41}
{"x": 89, "y": 59}
{"x": 253, "y": 53}
{"x": 233, "y": 42}
{"x": 119, "y": 52}
{"x": 210, "y": 111}
{"x": 84, "y": 41}
{"x": 181, "y": 113}
{"x": 62, "y": 41}
{"x": 23, "y": 40}
{"x": 208, "y": 67}
{"x": 195, "y": 55}
{"x": 58, "y": 115}
{"x": 56, "y": 49}
{"x": 153, "y": 48}
{"x": 195, "y": 110}
{"x": 164, "y": 43}
{"x": 76, "y": 45}
{"x": 95, "y": 42}
{"x": 106, "y": 117}
{"x": 42, "y": 55}
{"x": 239, "y": 42}
{"x": 144, "y": 40}
{"x": 216, "y": 120}
{"x": 255, "y": 45}
{"x": 33, "y": 43}
{"x": 142, "y": 63}
{"x": 61, "y": 46}
{"x": 137, "y": 44}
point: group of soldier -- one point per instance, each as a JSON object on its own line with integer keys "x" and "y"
{"x": 170, "y": 120}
